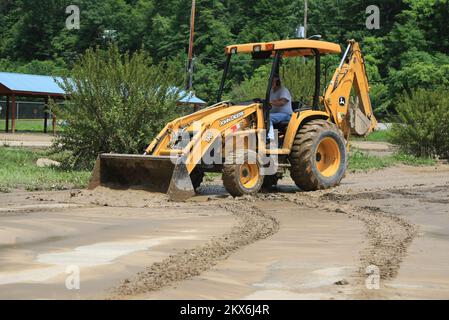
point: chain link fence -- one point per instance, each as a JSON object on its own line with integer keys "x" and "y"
{"x": 29, "y": 116}
{"x": 24, "y": 110}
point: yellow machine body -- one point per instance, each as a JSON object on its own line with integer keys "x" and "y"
{"x": 170, "y": 160}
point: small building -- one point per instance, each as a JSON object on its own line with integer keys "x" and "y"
{"x": 190, "y": 99}
{"x": 17, "y": 85}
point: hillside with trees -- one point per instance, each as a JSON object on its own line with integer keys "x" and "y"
{"x": 408, "y": 52}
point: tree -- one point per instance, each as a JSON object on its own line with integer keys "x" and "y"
{"x": 33, "y": 36}
{"x": 115, "y": 103}
{"x": 420, "y": 69}
{"x": 422, "y": 124}
{"x": 29, "y": 35}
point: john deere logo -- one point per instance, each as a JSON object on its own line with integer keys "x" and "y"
{"x": 231, "y": 118}
{"x": 342, "y": 101}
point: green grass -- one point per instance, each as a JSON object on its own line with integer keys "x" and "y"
{"x": 27, "y": 125}
{"x": 359, "y": 161}
{"x": 412, "y": 160}
{"x": 211, "y": 176}
{"x": 18, "y": 170}
{"x": 380, "y": 136}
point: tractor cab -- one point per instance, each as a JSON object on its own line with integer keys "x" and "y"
{"x": 277, "y": 51}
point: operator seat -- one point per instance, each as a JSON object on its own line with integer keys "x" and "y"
{"x": 297, "y": 107}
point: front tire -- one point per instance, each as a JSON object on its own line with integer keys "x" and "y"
{"x": 241, "y": 174}
{"x": 319, "y": 157}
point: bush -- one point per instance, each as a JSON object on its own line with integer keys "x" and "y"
{"x": 299, "y": 78}
{"x": 422, "y": 128}
{"x": 254, "y": 87}
{"x": 115, "y": 103}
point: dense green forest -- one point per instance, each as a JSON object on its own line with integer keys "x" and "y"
{"x": 410, "y": 50}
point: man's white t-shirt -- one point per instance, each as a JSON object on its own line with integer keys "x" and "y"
{"x": 282, "y": 93}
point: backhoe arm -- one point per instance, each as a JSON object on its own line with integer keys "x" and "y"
{"x": 351, "y": 74}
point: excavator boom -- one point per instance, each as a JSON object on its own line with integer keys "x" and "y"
{"x": 351, "y": 76}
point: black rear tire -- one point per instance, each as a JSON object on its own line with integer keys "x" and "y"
{"x": 271, "y": 181}
{"x": 197, "y": 176}
{"x": 319, "y": 156}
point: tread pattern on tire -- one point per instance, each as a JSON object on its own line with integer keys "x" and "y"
{"x": 301, "y": 155}
{"x": 271, "y": 181}
{"x": 231, "y": 176}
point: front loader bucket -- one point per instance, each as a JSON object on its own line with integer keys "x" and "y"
{"x": 152, "y": 173}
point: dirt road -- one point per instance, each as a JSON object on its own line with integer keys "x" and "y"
{"x": 30, "y": 140}
{"x": 286, "y": 244}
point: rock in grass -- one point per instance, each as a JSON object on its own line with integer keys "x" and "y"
{"x": 44, "y": 163}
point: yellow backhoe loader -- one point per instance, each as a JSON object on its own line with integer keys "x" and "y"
{"x": 230, "y": 137}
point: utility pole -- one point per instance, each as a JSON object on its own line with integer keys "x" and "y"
{"x": 306, "y": 9}
{"x": 192, "y": 36}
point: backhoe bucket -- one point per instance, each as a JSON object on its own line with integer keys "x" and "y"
{"x": 153, "y": 173}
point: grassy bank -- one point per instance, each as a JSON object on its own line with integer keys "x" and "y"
{"x": 359, "y": 161}
{"x": 18, "y": 170}
{"x": 35, "y": 125}
{"x": 376, "y": 136}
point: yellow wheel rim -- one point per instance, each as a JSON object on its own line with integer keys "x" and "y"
{"x": 328, "y": 157}
{"x": 249, "y": 175}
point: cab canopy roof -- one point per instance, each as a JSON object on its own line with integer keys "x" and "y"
{"x": 295, "y": 47}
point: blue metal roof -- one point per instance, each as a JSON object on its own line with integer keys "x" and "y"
{"x": 31, "y": 83}
{"x": 190, "y": 98}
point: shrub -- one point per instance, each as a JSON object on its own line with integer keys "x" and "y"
{"x": 115, "y": 103}
{"x": 422, "y": 127}
{"x": 254, "y": 87}
{"x": 299, "y": 78}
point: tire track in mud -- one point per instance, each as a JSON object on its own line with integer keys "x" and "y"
{"x": 388, "y": 236}
{"x": 252, "y": 225}
{"x": 28, "y": 210}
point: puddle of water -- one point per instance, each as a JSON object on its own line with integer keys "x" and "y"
{"x": 97, "y": 254}
{"x": 438, "y": 235}
{"x": 407, "y": 286}
{"x": 101, "y": 253}
{"x": 28, "y": 276}
{"x": 319, "y": 278}
{"x": 285, "y": 295}
{"x": 190, "y": 231}
{"x": 305, "y": 285}
{"x": 332, "y": 272}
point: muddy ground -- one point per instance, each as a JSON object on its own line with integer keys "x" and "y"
{"x": 285, "y": 244}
